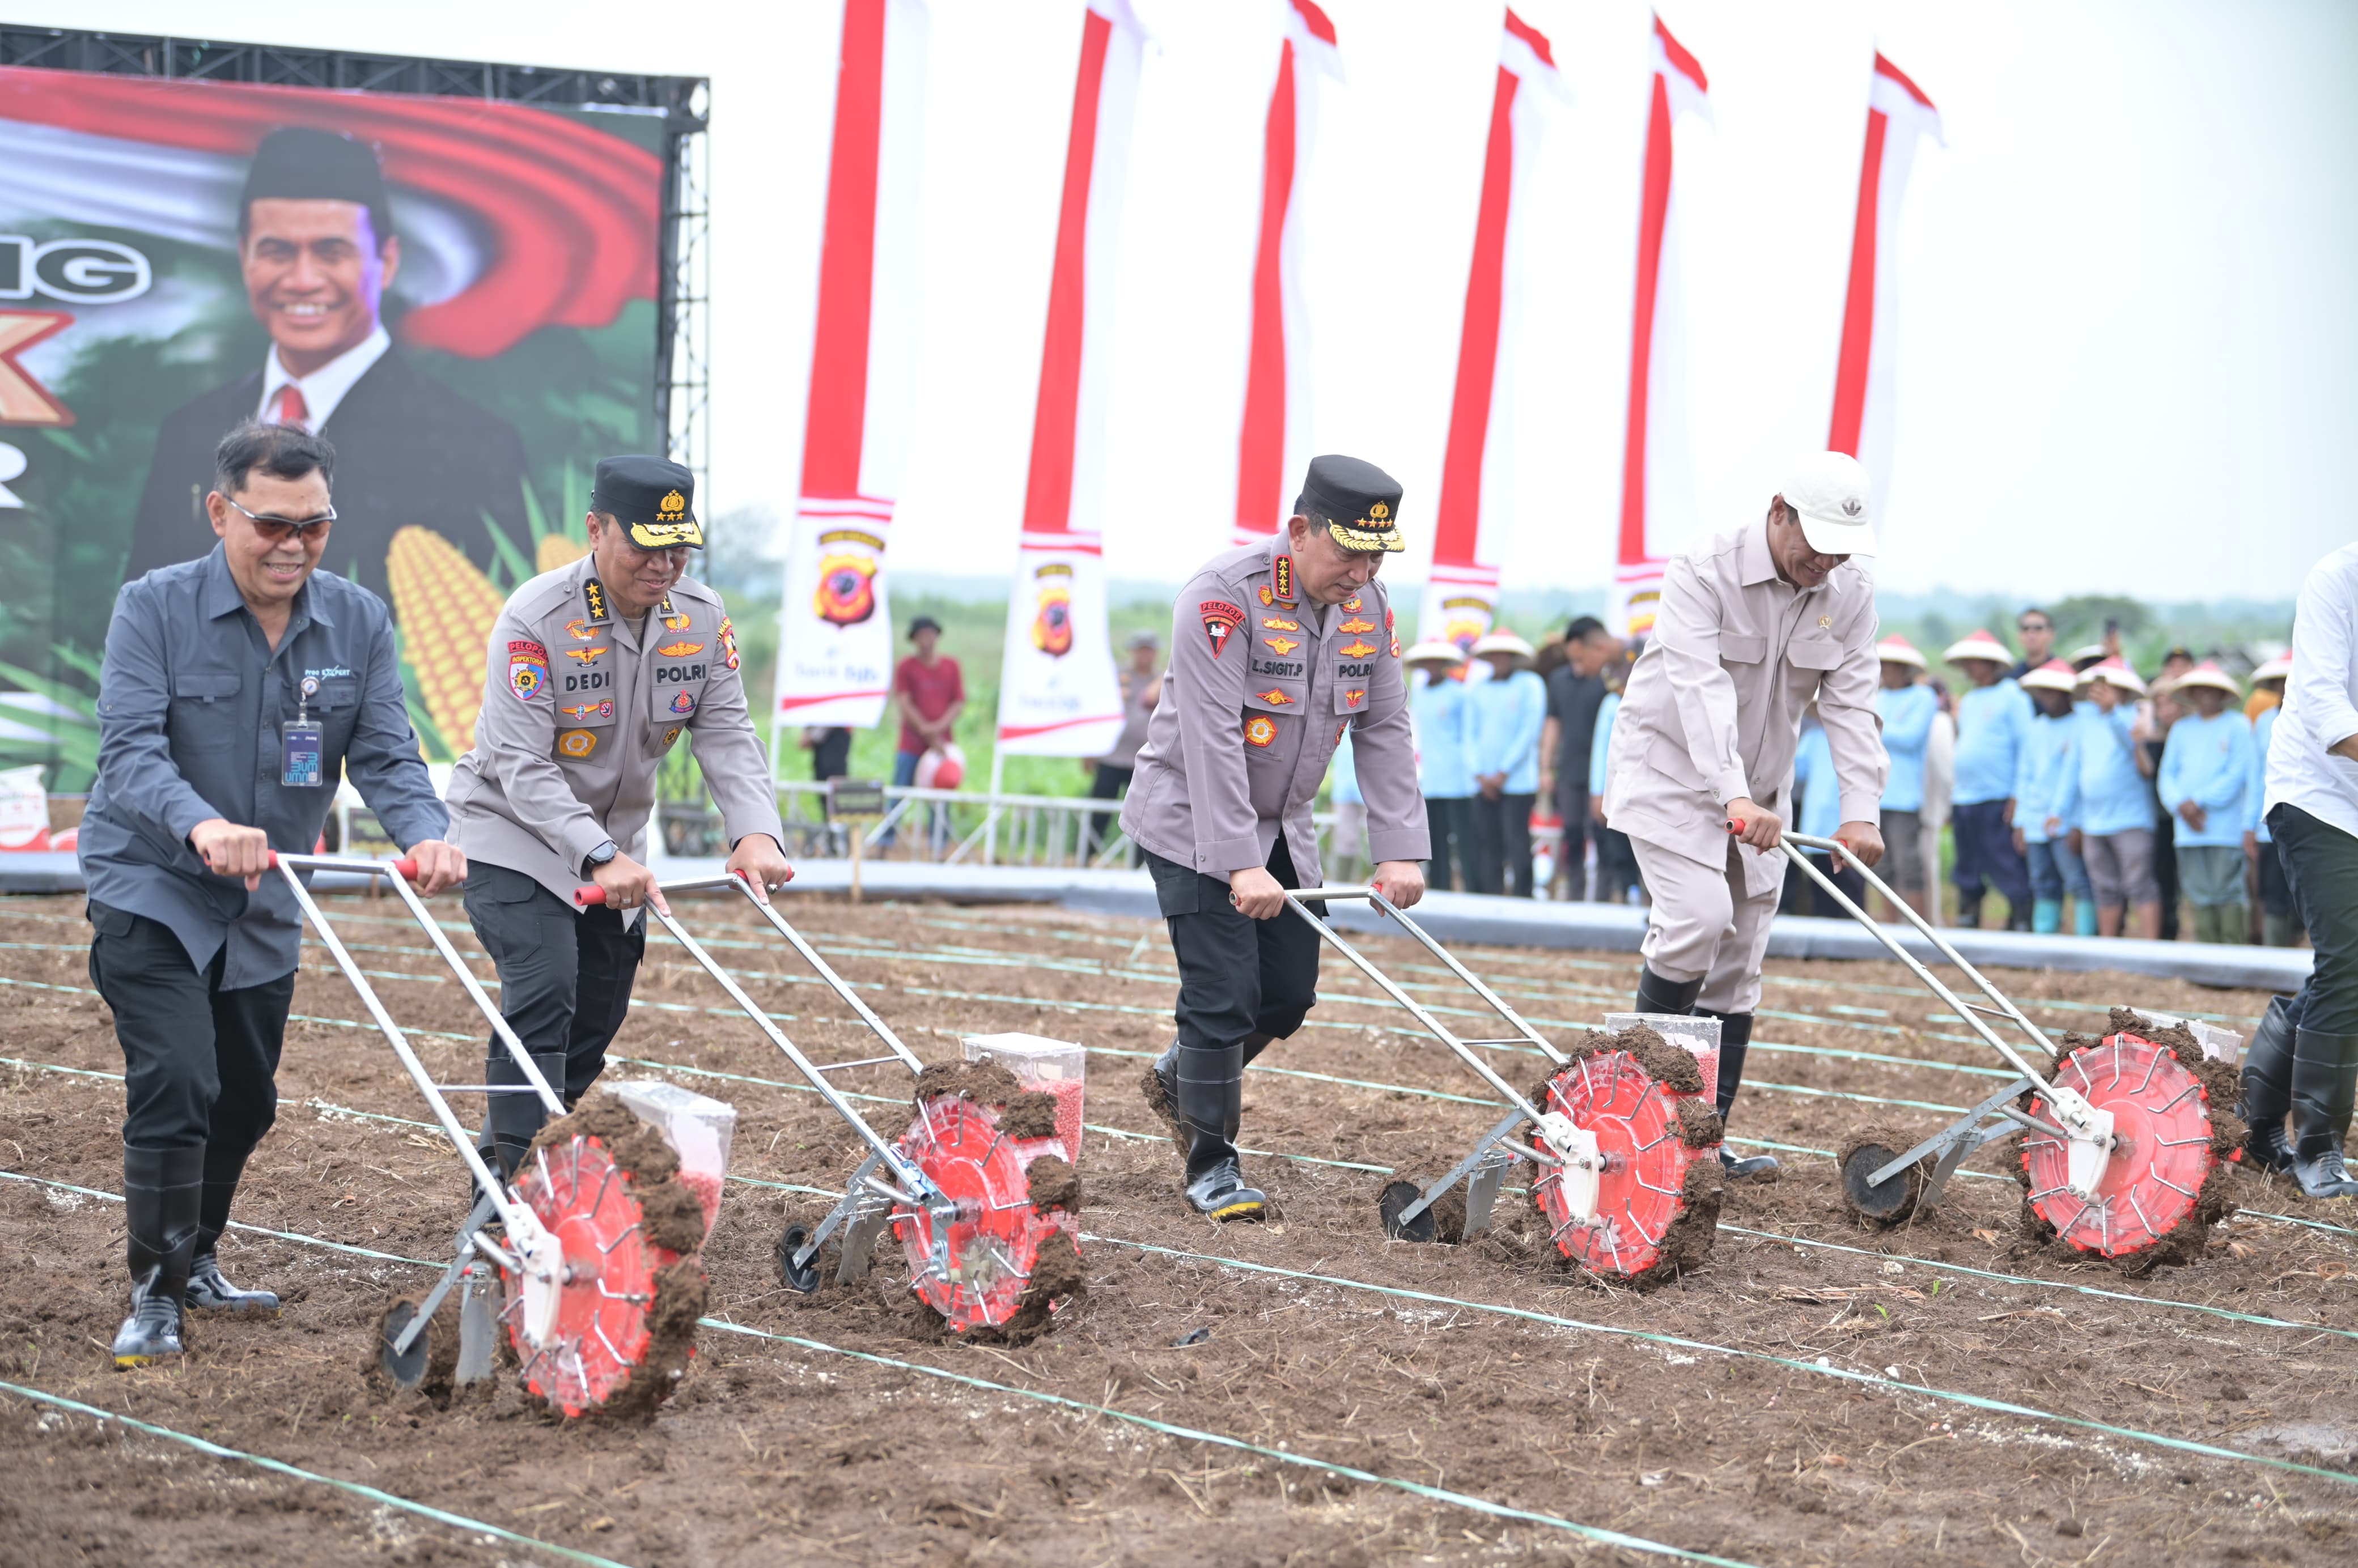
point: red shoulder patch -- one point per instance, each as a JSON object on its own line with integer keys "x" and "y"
{"x": 1220, "y": 618}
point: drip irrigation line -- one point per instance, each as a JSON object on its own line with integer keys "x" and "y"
{"x": 2260, "y": 1319}
{"x": 1869, "y": 1379}
{"x": 1221, "y": 1440}
{"x": 278, "y": 1466}
{"x": 1824, "y": 1369}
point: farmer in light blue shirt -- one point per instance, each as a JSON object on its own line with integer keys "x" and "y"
{"x": 2205, "y": 781}
{"x": 2109, "y": 803}
{"x": 1907, "y": 708}
{"x": 1820, "y": 796}
{"x": 1441, "y": 719}
{"x": 2051, "y": 758}
{"x": 1507, "y": 712}
{"x": 2279, "y": 920}
{"x": 1993, "y": 717}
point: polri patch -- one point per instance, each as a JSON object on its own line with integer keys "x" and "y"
{"x": 1260, "y": 729}
{"x": 527, "y": 670}
{"x": 683, "y": 703}
{"x": 1220, "y": 618}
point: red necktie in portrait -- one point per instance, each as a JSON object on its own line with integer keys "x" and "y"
{"x": 292, "y": 409}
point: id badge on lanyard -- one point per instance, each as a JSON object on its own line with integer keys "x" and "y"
{"x": 300, "y": 743}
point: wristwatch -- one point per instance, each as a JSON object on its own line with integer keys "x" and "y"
{"x": 602, "y": 855}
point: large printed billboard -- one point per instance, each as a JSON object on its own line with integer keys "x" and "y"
{"x": 458, "y": 294}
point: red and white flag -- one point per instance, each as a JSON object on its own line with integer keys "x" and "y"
{"x": 835, "y": 647}
{"x": 1274, "y": 449}
{"x": 1473, "y": 524}
{"x": 1058, "y": 694}
{"x": 1897, "y": 113}
{"x": 1658, "y": 509}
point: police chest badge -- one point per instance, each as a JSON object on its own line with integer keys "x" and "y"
{"x": 578, "y": 743}
{"x": 1260, "y": 729}
{"x": 683, "y": 703}
{"x": 729, "y": 658}
{"x": 1281, "y": 646}
{"x": 1357, "y": 624}
{"x": 527, "y": 670}
{"x": 1357, "y": 649}
{"x": 1220, "y": 618}
{"x": 680, "y": 649}
{"x": 670, "y": 735}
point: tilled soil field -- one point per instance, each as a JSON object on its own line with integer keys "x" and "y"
{"x": 1303, "y": 1391}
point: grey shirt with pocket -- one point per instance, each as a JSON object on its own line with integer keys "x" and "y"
{"x": 580, "y": 705}
{"x": 190, "y": 699}
{"x": 1712, "y": 712}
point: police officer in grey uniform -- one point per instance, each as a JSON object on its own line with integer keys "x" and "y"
{"x": 597, "y": 671}
{"x": 1277, "y": 648}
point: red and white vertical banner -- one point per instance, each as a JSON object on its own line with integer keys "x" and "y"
{"x": 1473, "y": 525}
{"x": 1897, "y": 113}
{"x": 1274, "y": 453}
{"x": 1658, "y": 509}
{"x": 1059, "y": 695}
{"x": 835, "y": 643}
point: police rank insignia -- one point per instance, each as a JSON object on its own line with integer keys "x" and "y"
{"x": 589, "y": 710}
{"x": 585, "y": 654}
{"x": 1279, "y": 623}
{"x": 580, "y": 631}
{"x": 1274, "y": 696}
{"x": 681, "y": 650}
{"x": 1220, "y": 618}
{"x": 683, "y": 703}
{"x": 676, "y": 622}
{"x": 1267, "y": 597}
{"x": 577, "y": 742}
{"x": 1260, "y": 729}
{"x": 1358, "y": 650}
{"x": 1281, "y": 646}
{"x": 1351, "y": 605}
{"x": 594, "y": 592}
{"x": 729, "y": 643}
{"x": 1282, "y": 578}
{"x": 1355, "y": 624}
{"x": 527, "y": 670}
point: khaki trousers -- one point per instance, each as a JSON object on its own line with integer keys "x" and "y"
{"x": 1706, "y": 925}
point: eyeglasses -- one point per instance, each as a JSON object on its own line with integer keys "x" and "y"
{"x": 276, "y": 530}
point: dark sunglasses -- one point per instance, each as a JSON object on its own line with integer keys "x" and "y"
{"x": 277, "y": 530}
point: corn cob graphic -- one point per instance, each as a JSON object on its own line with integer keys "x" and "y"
{"x": 447, "y": 608}
{"x": 555, "y": 550}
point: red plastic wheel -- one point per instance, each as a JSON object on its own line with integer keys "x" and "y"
{"x": 581, "y": 1196}
{"x": 994, "y": 1242}
{"x": 1642, "y": 1190}
{"x": 2161, "y": 1128}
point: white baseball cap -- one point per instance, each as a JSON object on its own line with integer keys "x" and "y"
{"x": 1829, "y": 493}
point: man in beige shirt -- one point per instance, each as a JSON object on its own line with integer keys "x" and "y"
{"x": 1754, "y": 623}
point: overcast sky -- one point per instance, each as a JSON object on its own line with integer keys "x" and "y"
{"x": 2128, "y": 358}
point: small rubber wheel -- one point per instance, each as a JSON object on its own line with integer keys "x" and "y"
{"x": 1889, "y": 1204}
{"x": 805, "y": 1279}
{"x": 1394, "y": 1202}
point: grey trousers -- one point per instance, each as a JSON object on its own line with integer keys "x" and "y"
{"x": 1706, "y": 925}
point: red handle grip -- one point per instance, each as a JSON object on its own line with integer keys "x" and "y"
{"x": 587, "y": 895}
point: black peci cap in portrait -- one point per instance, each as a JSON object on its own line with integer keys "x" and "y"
{"x": 1354, "y": 501}
{"x": 299, "y": 163}
{"x": 652, "y": 497}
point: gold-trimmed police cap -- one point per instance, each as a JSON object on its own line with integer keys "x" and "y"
{"x": 1355, "y": 502}
{"x": 654, "y": 498}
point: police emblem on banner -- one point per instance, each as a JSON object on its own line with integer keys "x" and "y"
{"x": 847, "y": 576}
{"x": 1052, "y": 622}
{"x": 527, "y": 670}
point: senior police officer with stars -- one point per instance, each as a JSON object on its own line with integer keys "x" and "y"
{"x": 1276, "y": 649}
{"x": 597, "y": 670}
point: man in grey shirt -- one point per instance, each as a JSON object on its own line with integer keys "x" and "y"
{"x": 236, "y": 690}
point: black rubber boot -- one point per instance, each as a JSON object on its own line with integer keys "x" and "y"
{"x": 1159, "y": 1088}
{"x": 161, "y": 1188}
{"x": 1656, "y": 994}
{"x": 1211, "y": 1104}
{"x": 2267, "y": 1089}
{"x": 1257, "y": 1043}
{"x": 511, "y": 1121}
{"x": 1735, "y": 1039}
{"x": 208, "y": 1288}
{"x": 2324, "y": 1083}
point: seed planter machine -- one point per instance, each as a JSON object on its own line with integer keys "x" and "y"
{"x": 976, "y": 1189}
{"x": 1620, "y": 1134}
{"x": 591, "y": 1286}
{"x": 2123, "y": 1139}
